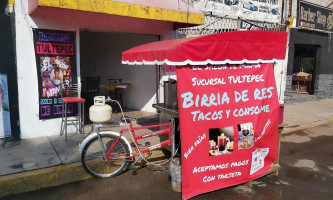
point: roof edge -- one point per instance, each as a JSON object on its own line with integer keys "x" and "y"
{"x": 189, "y": 62}
{"x": 126, "y": 9}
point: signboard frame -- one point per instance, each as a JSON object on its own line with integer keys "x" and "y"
{"x": 307, "y": 16}
{"x": 55, "y": 53}
{"x": 212, "y": 107}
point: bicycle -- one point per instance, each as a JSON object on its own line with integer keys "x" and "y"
{"x": 107, "y": 153}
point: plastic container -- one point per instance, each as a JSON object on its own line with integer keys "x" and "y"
{"x": 176, "y": 174}
{"x": 170, "y": 94}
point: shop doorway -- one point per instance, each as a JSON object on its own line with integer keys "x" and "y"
{"x": 100, "y": 62}
{"x": 304, "y": 71}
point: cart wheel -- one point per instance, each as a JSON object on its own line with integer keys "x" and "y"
{"x": 93, "y": 161}
{"x": 135, "y": 172}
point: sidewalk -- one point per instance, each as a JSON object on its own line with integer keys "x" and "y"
{"x": 51, "y": 161}
{"x": 304, "y": 115}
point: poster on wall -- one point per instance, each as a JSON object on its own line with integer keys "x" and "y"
{"x": 258, "y": 10}
{"x": 56, "y": 66}
{"x": 261, "y": 10}
{"x": 228, "y": 124}
{"x": 5, "y": 129}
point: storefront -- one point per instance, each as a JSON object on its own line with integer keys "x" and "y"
{"x": 228, "y": 107}
{"x": 100, "y": 58}
{"x": 9, "y": 111}
{"x": 94, "y": 33}
{"x": 310, "y": 69}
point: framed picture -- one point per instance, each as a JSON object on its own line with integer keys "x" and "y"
{"x": 307, "y": 65}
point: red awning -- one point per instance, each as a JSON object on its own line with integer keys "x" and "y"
{"x": 231, "y": 47}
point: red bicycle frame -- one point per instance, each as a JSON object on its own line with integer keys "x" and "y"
{"x": 143, "y": 136}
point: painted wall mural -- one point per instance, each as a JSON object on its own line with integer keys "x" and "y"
{"x": 257, "y": 10}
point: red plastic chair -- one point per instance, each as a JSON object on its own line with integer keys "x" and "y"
{"x": 73, "y": 96}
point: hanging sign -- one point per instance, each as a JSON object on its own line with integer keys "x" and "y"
{"x": 228, "y": 124}
{"x": 257, "y": 10}
{"x": 314, "y": 16}
{"x": 55, "y": 59}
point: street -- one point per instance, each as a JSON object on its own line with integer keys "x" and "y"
{"x": 82, "y": 81}
{"x": 306, "y": 160}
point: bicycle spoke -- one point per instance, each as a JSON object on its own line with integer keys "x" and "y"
{"x": 94, "y": 162}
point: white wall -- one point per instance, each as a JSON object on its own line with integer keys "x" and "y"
{"x": 101, "y": 56}
{"x": 61, "y": 19}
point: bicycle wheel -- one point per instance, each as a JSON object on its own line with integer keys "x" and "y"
{"x": 93, "y": 161}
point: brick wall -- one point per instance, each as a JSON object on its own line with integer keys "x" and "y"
{"x": 325, "y": 86}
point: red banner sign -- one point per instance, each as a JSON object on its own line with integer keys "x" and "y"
{"x": 229, "y": 125}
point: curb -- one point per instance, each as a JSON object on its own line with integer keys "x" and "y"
{"x": 287, "y": 129}
{"x": 51, "y": 177}
{"x": 41, "y": 178}
{"x": 64, "y": 174}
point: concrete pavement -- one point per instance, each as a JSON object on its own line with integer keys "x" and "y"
{"x": 306, "y": 173}
{"x": 303, "y": 115}
{"x": 50, "y": 161}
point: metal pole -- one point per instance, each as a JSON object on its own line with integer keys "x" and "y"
{"x": 286, "y": 7}
{"x": 239, "y": 24}
{"x": 173, "y": 148}
{"x": 157, "y": 83}
{"x": 101, "y": 142}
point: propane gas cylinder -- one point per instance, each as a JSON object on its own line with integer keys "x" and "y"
{"x": 100, "y": 112}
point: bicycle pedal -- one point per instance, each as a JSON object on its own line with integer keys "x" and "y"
{"x": 132, "y": 167}
{"x": 143, "y": 165}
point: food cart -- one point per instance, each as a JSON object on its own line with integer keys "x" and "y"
{"x": 227, "y": 107}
